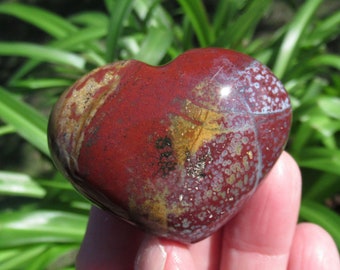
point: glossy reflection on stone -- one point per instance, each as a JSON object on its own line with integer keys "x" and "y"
{"x": 175, "y": 149}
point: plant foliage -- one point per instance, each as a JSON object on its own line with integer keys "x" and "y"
{"x": 42, "y": 219}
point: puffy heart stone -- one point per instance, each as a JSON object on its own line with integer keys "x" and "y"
{"x": 175, "y": 149}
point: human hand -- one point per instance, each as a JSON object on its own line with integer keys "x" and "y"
{"x": 264, "y": 235}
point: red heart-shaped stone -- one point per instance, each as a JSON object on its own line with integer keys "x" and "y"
{"x": 175, "y": 149}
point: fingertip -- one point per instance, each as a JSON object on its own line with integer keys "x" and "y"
{"x": 286, "y": 168}
{"x": 162, "y": 254}
{"x": 151, "y": 255}
{"x": 313, "y": 249}
{"x": 285, "y": 179}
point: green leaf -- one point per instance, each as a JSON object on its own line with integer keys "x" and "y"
{"x": 9, "y": 253}
{"x": 318, "y": 158}
{"x": 18, "y": 184}
{"x": 23, "y": 257}
{"x": 28, "y": 122}
{"x": 40, "y": 226}
{"x": 300, "y": 138}
{"x": 319, "y": 214}
{"x": 322, "y": 164}
{"x": 325, "y": 125}
{"x": 119, "y": 10}
{"x": 49, "y": 22}
{"x": 325, "y": 29}
{"x": 40, "y": 83}
{"x": 42, "y": 53}
{"x": 24, "y": 70}
{"x": 244, "y": 24}
{"x": 324, "y": 187}
{"x": 155, "y": 45}
{"x": 294, "y": 35}
{"x": 198, "y": 17}
{"x": 223, "y": 14}
{"x": 82, "y": 39}
{"x": 55, "y": 258}
{"x": 6, "y": 129}
{"x": 330, "y": 106}
{"x": 154, "y": 14}
{"x": 91, "y": 18}
{"x": 330, "y": 60}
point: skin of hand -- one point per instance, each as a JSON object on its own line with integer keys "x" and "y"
{"x": 264, "y": 235}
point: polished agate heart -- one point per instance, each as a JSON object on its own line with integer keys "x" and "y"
{"x": 176, "y": 149}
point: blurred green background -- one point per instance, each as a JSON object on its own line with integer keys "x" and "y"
{"x": 46, "y": 45}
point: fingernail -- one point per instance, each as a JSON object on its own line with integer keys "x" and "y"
{"x": 151, "y": 255}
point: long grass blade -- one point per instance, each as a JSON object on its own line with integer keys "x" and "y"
{"x": 325, "y": 30}
{"x": 28, "y": 122}
{"x": 83, "y": 41}
{"x": 40, "y": 226}
{"x": 198, "y": 17}
{"x": 324, "y": 188}
{"x": 49, "y": 22}
{"x": 91, "y": 18}
{"x": 330, "y": 106}
{"x": 330, "y": 60}
{"x": 40, "y": 83}
{"x": 155, "y": 45}
{"x": 293, "y": 36}
{"x": 81, "y": 38}
{"x": 18, "y": 184}
{"x": 57, "y": 257}
{"x": 23, "y": 257}
{"x": 42, "y": 53}
{"x": 244, "y": 25}
{"x": 24, "y": 70}
{"x": 119, "y": 10}
{"x": 6, "y": 129}
{"x": 318, "y": 158}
